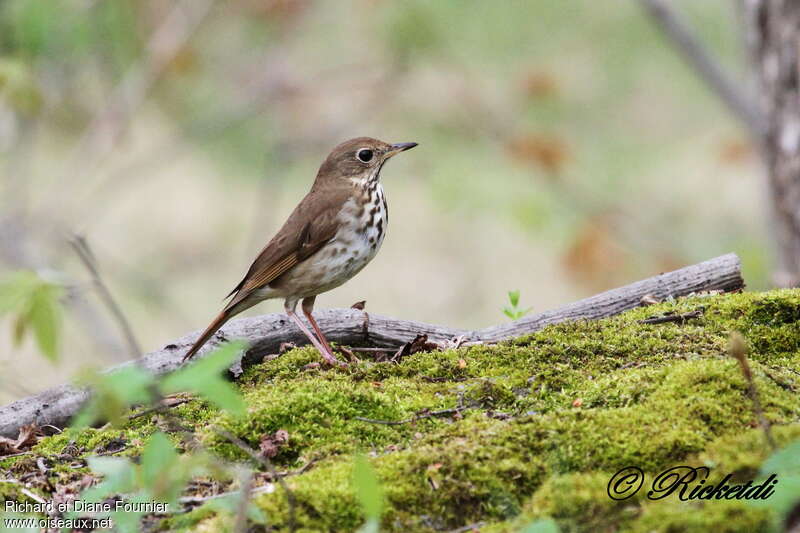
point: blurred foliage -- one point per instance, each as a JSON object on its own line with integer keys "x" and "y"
{"x": 546, "y": 525}
{"x": 116, "y": 392}
{"x": 113, "y": 394}
{"x": 204, "y": 378}
{"x": 35, "y": 304}
{"x": 784, "y": 464}
{"x": 368, "y": 493}
{"x": 18, "y": 88}
{"x": 159, "y": 475}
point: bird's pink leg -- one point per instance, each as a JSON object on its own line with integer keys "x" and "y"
{"x": 308, "y": 307}
{"x": 325, "y": 351}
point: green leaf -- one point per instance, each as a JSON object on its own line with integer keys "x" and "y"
{"x": 223, "y": 395}
{"x": 111, "y": 467}
{"x": 114, "y": 393}
{"x": 20, "y": 328}
{"x": 204, "y": 378}
{"x": 18, "y": 87}
{"x": 15, "y": 290}
{"x": 230, "y": 504}
{"x": 545, "y": 525}
{"x": 368, "y": 490}
{"x": 119, "y": 477}
{"x": 372, "y": 525}
{"x": 130, "y": 383}
{"x": 784, "y": 464}
{"x": 211, "y": 365}
{"x": 38, "y": 307}
{"x": 513, "y": 297}
{"x": 83, "y": 419}
{"x": 158, "y": 458}
{"x": 785, "y": 460}
{"x": 32, "y": 25}
{"x": 45, "y": 316}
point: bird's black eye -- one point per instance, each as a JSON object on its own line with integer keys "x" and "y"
{"x": 364, "y": 155}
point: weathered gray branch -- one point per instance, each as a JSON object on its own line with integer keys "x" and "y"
{"x": 356, "y": 328}
{"x": 741, "y": 104}
{"x": 84, "y": 252}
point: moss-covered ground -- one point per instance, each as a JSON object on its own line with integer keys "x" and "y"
{"x": 543, "y": 423}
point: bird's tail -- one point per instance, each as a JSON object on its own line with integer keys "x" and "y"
{"x": 208, "y": 333}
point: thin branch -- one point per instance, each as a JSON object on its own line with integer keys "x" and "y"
{"x": 266, "y": 463}
{"x": 15, "y": 455}
{"x": 681, "y": 37}
{"x": 163, "y": 405}
{"x": 674, "y": 317}
{"x": 162, "y": 47}
{"x": 240, "y": 525}
{"x": 468, "y": 527}
{"x": 738, "y": 350}
{"x": 113, "y": 119}
{"x": 18, "y": 231}
{"x": 81, "y": 247}
{"x": 30, "y": 494}
{"x": 198, "y": 500}
{"x": 422, "y": 416}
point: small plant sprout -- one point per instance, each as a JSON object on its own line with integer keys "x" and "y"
{"x": 513, "y": 310}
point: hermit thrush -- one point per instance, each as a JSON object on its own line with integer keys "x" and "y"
{"x": 329, "y": 237}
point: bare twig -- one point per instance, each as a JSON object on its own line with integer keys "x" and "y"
{"x": 421, "y": 416}
{"x": 468, "y": 527}
{"x": 81, "y": 247}
{"x": 112, "y": 120}
{"x": 30, "y": 494}
{"x": 163, "y": 404}
{"x": 17, "y": 232}
{"x": 265, "y": 462}
{"x": 198, "y": 500}
{"x": 738, "y": 350}
{"x": 681, "y": 36}
{"x": 303, "y": 469}
{"x": 674, "y": 317}
{"x": 240, "y": 525}
{"x": 15, "y": 455}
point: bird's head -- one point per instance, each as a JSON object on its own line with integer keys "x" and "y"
{"x": 359, "y": 160}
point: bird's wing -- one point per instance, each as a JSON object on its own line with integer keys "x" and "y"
{"x": 312, "y": 224}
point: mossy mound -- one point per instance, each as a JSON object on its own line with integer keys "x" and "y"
{"x": 535, "y": 427}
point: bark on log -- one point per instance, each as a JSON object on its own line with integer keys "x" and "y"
{"x": 357, "y": 328}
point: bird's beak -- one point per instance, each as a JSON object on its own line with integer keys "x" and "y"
{"x": 399, "y": 147}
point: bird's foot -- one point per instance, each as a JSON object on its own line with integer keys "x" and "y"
{"x": 327, "y": 355}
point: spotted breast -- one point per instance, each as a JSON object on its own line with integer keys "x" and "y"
{"x": 363, "y": 221}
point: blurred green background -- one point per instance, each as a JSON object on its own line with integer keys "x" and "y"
{"x": 564, "y": 149}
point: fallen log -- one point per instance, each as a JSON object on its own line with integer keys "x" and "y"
{"x": 354, "y": 327}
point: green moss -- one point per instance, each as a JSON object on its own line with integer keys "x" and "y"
{"x": 694, "y": 517}
{"x": 91, "y": 441}
{"x": 548, "y": 419}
